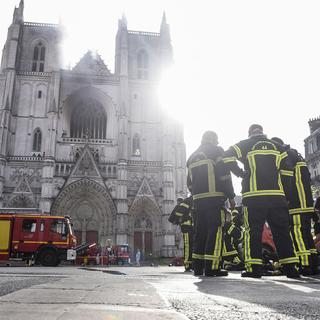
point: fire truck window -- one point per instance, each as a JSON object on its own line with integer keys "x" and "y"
{"x": 58, "y": 226}
{"x": 29, "y": 225}
{"x": 42, "y": 226}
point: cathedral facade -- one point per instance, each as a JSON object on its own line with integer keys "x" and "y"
{"x": 89, "y": 143}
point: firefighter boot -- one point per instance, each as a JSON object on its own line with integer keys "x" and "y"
{"x": 291, "y": 270}
{"x": 216, "y": 273}
{"x": 198, "y": 267}
{"x": 255, "y": 272}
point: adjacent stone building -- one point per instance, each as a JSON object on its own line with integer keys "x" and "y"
{"x": 87, "y": 142}
{"x": 312, "y": 151}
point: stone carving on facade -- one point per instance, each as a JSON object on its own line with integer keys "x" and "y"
{"x": 32, "y": 175}
{"x": 21, "y": 201}
{"x": 134, "y": 181}
{"x": 22, "y": 196}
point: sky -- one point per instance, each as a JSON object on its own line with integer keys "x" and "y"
{"x": 236, "y": 62}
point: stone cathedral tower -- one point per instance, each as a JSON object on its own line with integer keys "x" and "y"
{"x": 87, "y": 142}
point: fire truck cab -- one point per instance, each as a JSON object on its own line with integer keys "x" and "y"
{"x": 46, "y": 239}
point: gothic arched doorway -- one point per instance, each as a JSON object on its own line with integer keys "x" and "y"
{"x": 144, "y": 227}
{"x": 91, "y": 209}
{"x": 143, "y": 234}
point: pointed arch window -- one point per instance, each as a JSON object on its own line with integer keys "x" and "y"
{"x": 88, "y": 120}
{"x": 37, "y": 140}
{"x": 39, "y": 55}
{"x": 143, "y": 65}
{"x": 136, "y": 145}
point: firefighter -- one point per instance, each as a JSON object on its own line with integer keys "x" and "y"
{"x": 183, "y": 216}
{"x": 301, "y": 211}
{"x": 211, "y": 185}
{"x": 232, "y": 238}
{"x": 263, "y": 198}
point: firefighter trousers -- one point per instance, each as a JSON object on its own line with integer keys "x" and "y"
{"x": 208, "y": 238}
{"x": 278, "y": 220}
{"x": 302, "y": 238}
{"x": 187, "y": 232}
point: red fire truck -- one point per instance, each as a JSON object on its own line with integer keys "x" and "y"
{"x": 43, "y": 238}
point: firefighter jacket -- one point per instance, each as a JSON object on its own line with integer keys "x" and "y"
{"x": 300, "y": 198}
{"x": 173, "y": 218}
{"x": 182, "y": 214}
{"x": 264, "y": 162}
{"x": 208, "y": 177}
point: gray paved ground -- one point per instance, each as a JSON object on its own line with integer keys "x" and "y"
{"x": 151, "y": 293}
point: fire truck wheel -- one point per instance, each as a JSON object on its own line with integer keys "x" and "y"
{"x": 49, "y": 258}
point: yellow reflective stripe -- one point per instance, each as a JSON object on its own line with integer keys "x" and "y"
{"x": 254, "y": 261}
{"x": 230, "y": 253}
{"x": 231, "y": 229}
{"x": 289, "y": 260}
{"x": 301, "y": 164}
{"x": 211, "y": 178}
{"x": 263, "y": 193}
{"x": 252, "y": 165}
{"x": 211, "y": 257}
{"x": 299, "y": 240}
{"x": 207, "y": 194}
{"x": 238, "y": 151}
{"x": 247, "y": 253}
{"x": 286, "y": 173}
{"x": 306, "y": 253}
{"x": 301, "y": 210}
{"x": 224, "y": 250}
{"x": 300, "y": 189}
{"x": 4, "y": 252}
{"x": 283, "y": 155}
{"x": 264, "y": 152}
{"x": 198, "y": 256}
{"x": 280, "y": 183}
{"x": 218, "y": 245}
{"x": 184, "y": 205}
{"x": 201, "y": 163}
{"x": 229, "y": 159}
{"x": 186, "y": 246}
{"x": 313, "y": 251}
{"x": 179, "y": 214}
{"x": 187, "y": 223}
{"x": 41, "y": 242}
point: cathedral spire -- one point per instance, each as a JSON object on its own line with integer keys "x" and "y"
{"x": 18, "y": 13}
{"x": 164, "y": 28}
{"x": 123, "y": 23}
{"x": 164, "y": 19}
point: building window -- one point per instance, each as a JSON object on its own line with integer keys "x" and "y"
{"x": 39, "y": 54}
{"x": 39, "y": 94}
{"x": 136, "y": 145}
{"x": 318, "y": 142}
{"x": 143, "y": 65}
{"x": 37, "y": 140}
{"x": 29, "y": 225}
{"x": 88, "y": 120}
